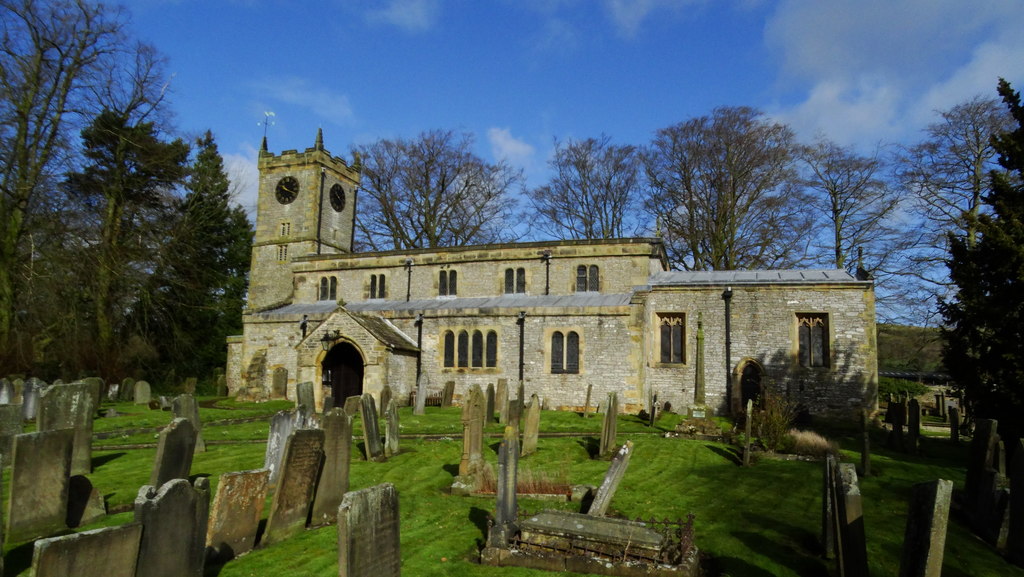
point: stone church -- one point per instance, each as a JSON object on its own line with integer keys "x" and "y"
{"x": 558, "y": 316}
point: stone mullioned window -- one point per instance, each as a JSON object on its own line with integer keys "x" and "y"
{"x": 473, "y": 349}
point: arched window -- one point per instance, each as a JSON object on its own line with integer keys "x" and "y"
{"x": 449, "y": 349}
{"x": 324, "y": 289}
{"x": 442, "y": 283}
{"x": 557, "y": 352}
{"x": 478, "y": 349}
{"x": 813, "y": 340}
{"x": 491, "y": 355}
{"x": 565, "y": 352}
{"x": 447, "y": 283}
{"x": 373, "y": 286}
{"x": 463, "y": 349}
{"x": 520, "y": 280}
{"x": 381, "y": 290}
{"x": 510, "y": 281}
{"x": 673, "y": 337}
{"x": 333, "y": 293}
{"x": 453, "y": 285}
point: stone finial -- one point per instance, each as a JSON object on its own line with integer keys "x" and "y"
{"x": 263, "y": 146}
{"x": 319, "y": 144}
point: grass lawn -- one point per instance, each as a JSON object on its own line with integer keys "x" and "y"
{"x": 758, "y": 521}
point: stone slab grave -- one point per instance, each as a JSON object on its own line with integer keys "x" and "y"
{"x": 924, "y": 541}
{"x": 333, "y": 483}
{"x": 368, "y": 533}
{"x": 185, "y": 407}
{"x": 281, "y": 426}
{"x": 300, "y": 469}
{"x": 174, "y": 520}
{"x": 448, "y": 394}
{"x": 174, "y": 452}
{"x": 616, "y": 471}
{"x": 609, "y": 426}
{"x": 40, "y": 474}
{"x": 106, "y": 552}
{"x": 386, "y": 394}
{"x": 235, "y": 515}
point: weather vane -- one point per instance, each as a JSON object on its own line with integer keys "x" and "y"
{"x": 267, "y": 121}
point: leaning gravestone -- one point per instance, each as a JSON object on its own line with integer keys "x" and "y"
{"x": 174, "y": 452}
{"x": 106, "y": 552}
{"x": 386, "y": 394}
{"x": 851, "y": 545}
{"x": 174, "y": 519}
{"x": 506, "y": 505}
{"x": 289, "y": 508}
{"x": 142, "y": 395}
{"x": 11, "y": 425}
{"x": 925, "y": 538}
{"x": 531, "y": 426}
{"x": 608, "y": 426}
{"x": 30, "y": 399}
{"x": 371, "y": 429}
{"x": 368, "y": 533}
{"x": 616, "y": 471}
{"x": 40, "y": 473}
{"x": 448, "y": 394}
{"x": 281, "y": 426}
{"x": 235, "y": 515}
{"x": 304, "y": 395}
{"x": 185, "y": 407}
{"x": 333, "y": 484}
{"x": 422, "y": 383}
{"x": 502, "y": 401}
{"x": 353, "y": 405}
{"x": 85, "y": 504}
{"x": 391, "y": 429}
{"x": 489, "y": 408}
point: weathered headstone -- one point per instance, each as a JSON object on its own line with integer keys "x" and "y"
{"x": 371, "y": 429}
{"x": 11, "y": 425}
{"x": 925, "y": 538}
{"x": 507, "y": 507}
{"x": 422, "y": 382}
{"x": 391, "y": 429}
{"x": 85, "y": 504}
{"x": 328, "y": 403}
{"x": 142, "y": 395}
{"x": 865, "y": 443}
{"x": 828, "y": 508}
{"x": 337, "y": 428}
{"x": 851, "y": 546}
{"x": 281, "y": 426}
{"x": 106, "y": 552}
{"x": 114, "y": 392}
{"x": 981, "y": 475}
{"x": 502, "y": 401}
{"x": 279, "y": 383}
{"x": 174, "y": 520}
{"x": 448, "y": 394}
{"x": 954, "y": 424}
{"x": 609, "y": 426}
{"x": 897, "y": 414}
{"x": 616, "y": 471}
{"x": 6, "y": 392}
{"x": 489, "y": 407}
{"x": 386, "y": 394}
{"x": 186, "y": 407}
{"x": 30, "y": 399}
{"x": 189, "y": 386}
{"x": 289, "y": 508}
{"x": 531, "y": 426}
{"x": 748, "y": 420}
{"x": 174, "y": 452}
{"x": 473, "y": 418}
{"x": 913, "y": 425}
{"x": 40, "y": 473}
{"x": 654, "y": 411}
{"x": 353, "y": 405}
{"x": 127, "y": 392}
{"x": 304, "y": 395}
{"x": 368, "y": 533}
{"x": 586, "y": 403}
{"x": 235, "y": 514}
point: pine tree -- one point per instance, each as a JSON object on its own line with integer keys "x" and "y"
{"x": 984, "y": 333}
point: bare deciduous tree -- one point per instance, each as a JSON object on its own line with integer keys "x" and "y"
{"x": 593, "y": 193}
{"x": 724, "y": 188}
{"x": 432, "y": 191}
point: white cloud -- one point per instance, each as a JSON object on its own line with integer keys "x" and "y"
{"x": 506, "y": 147}
{"x": 323, "y": 103}
{"x": 410, "y": 15}
{"x": 629, "y": 15}
{"x": 245, "y": 179}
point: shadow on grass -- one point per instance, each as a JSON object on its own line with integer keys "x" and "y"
{"x": 731, "y": 455}
{"x": 104, "y": 459}
{"x": 480, "y": 518}
{"x": 19, "y": 559}
{"x": 797, "y": 549}
{"x": 451, "y": 469}
{"x": 732, "y": 566}
{"x": 592, "y": 445}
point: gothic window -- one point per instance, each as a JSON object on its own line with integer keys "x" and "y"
{"x": 588, "y": 278}
{"x": 515, "y": 280}
{"x": 673, "y": 337}
{"x": 812, "y": 335}
{"x": 378, "y": 288}
{"x": 491, "y": 352}
{"x": 463, "y": 349}
{"x": 447, "y": 283}
{"x": 565, "y": 352}
{"x": 449, "y": 349}
{"x": 478, "y": 349}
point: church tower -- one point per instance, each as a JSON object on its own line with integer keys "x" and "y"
{"x": 306, "y": 206}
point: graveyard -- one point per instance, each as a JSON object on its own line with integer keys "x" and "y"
{"x": 762, "y": 519}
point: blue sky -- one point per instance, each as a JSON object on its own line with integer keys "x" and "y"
{"x": 518, "y": 74}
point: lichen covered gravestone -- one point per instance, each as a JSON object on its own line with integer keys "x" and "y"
{"x": 174, "y": 519}
{"x": 300, "y": 468}
{"x": 368, "y": 533}
{"x": 235, "y": 515}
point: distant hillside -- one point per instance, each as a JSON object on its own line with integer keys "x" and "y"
{"x": 904, "y": 348}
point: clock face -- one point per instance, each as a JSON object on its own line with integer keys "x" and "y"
{"x": 337, "y": 198}
{"x": 287, "y": 189}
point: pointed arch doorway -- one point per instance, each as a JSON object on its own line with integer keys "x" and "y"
{"x": 751, "y": 384}
{"x": 342, "y": 369}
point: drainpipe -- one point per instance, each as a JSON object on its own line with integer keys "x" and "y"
{"x": 522, "y": 327}
{"x": 727, "y": 297}
{"x": 547, "y": 271}
{"x": 408, "y": 280}
{"x": 419, "y": 346}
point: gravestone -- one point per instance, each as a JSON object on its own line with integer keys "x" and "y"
{"x": 304, "y": 396}
{"x": 448, "y": 394}
{"x": 289, "y": 508}
{"x": 371, "y": 429}
{"x": 865, "y": 443}
{"x": 162, "y": 402}
{"x": 586, "y": 404}
{"x": 391, "y": 429}
{"x": 30, "y": 399}
{"x": 114, "y": 392}
{"x": 337, "y": 428}
{"x": 981, "y": 474}
{"x": 353, "y": 405}
{"x": 368, "y": 533}
{"x": 189, "y": 386}
{"x": 186, "y": 407}
{"x": 1015, "y": 531}
{"x": 174, "y": 520}
{"x": 748, "y": 420}
{"x": 328, "y": 403}
{"x": 281, "y": 426}
{"x": 506, "y": 507}
{"x": 97, "y": 387}
{"x": 502, "y": 401}
{"x": 851, "y": 545}
{"x": 85, "y": 504}
{"x": 489, "y": 406}
{"x": 6, "y": 392}
{"x": 422, "y": 382}
{"x": 386, "y": 394}
{"x": 828, "y": 523}
{"x": 174, "y": 452}
{"x": 654, "y": 411}
{"x": 235, "y": 514}
{"x": 954, "y": 424}
{"x": 531, "y": 426}
{"x": 608, "y": 426}
{"x": 515, "y": 412}
{"x": 897, "y": 413}
{"x": 106, "y": 552}
{"x": 142, "y": 395}
{"x": 925, "y": 538}
{"x": 616, "y": 471}
{"x": 127, "y": 392}
{"x": 913, "y": 426}
{"x": 11, "y": 425}
{"x": 473, "y": 418}
{"x": 279, "y": 383}
{"x": 40, "y": 474}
